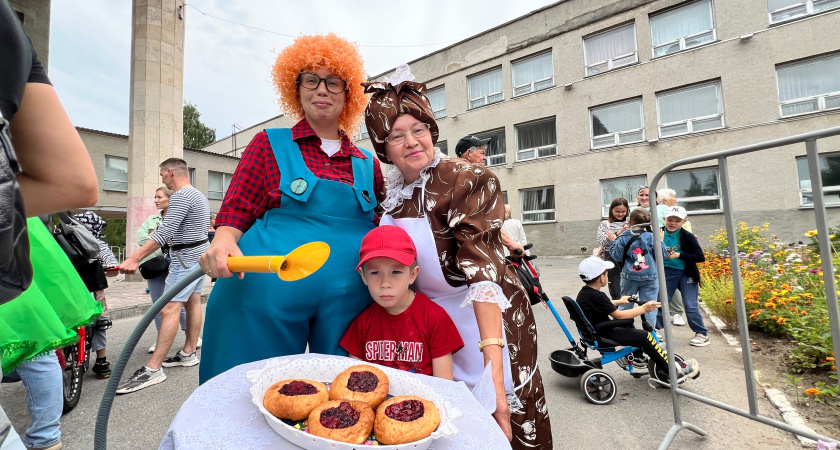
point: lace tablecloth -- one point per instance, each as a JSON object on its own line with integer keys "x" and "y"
{"x": 220, "y": 415}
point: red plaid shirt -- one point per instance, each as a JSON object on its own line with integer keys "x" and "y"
{"x": 255, "y": 187}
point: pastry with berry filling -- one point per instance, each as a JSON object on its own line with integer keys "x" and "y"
{"x": 404, "y": 419}
{"x": 294, "y": 399}
{"x": 342, "y": 420}
{"x": 363, "y": 383}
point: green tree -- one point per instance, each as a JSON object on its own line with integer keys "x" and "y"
{"x": 196, "y": 134}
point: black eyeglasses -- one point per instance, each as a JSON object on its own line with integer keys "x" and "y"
{"x": 311, "y": 81}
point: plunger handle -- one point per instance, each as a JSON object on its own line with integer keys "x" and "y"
{"x": 262, "y": 264}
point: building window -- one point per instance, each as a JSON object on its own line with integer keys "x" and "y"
{"x": 620, "y": 123}
{"x": 486, "y": 88}
{"x": 627, "y": 188}
{"x": 698, "y": 190}
{"x": 610, "y": 50}
{"x": 443, "y": 147}
{"x": 192, "y": 176}
{"x": 504, "y": 197}
{"x": 537, "y": 205}
{"x": 116, "y": 174}
{"x": 496, "y": 151}
{"x": 217, "y": 185}
{"x": 364, "y": 134}
{"x": 690, "y": 110}
{"x": 809, "y": 86}
{"x": 536, "y": 140}
{"x": 830, "y": 174}
{"x": 782, "y": 10}
{"x": 437, "y": 97}
{"x": 533, "y": 74}
{"x": 682, "y": 28}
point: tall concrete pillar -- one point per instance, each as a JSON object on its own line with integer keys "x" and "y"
{"x": 156, "y": 105}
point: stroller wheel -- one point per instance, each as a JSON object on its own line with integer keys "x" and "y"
{"x": 598, "y": 386}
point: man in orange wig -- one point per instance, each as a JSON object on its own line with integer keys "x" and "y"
{"x": 293, "y": 186}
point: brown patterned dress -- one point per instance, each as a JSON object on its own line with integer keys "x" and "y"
{"x": 463, "y": 204}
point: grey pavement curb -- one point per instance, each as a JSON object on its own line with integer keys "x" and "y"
{"x": 778, "y": 399}
{"x": 138, "y": 310}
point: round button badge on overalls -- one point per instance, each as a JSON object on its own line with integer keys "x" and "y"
{"x": 299, "y": 186}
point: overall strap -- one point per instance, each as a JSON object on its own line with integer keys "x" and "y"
{"x": 363, "y": 181}
{"x": 296, "y": 180}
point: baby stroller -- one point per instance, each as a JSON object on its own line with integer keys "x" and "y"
{"x": 597, "y": 385}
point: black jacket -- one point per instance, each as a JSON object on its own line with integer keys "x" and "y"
{"x": 691, "y": 253}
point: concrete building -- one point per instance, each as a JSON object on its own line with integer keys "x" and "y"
{"x": 587, "y": 100}
{"x": 209, "y": 172}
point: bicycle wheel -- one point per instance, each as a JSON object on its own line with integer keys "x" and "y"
{"x": 73, "y": 375}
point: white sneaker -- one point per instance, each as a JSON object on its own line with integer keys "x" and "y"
{"x": 153, "y": 347}
{"x": 700, "y": 340}
{"x": 678, "y": 320}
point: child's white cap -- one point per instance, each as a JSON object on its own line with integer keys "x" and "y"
{"x": 592, "y": 267}
{"x": 676, "y": 211}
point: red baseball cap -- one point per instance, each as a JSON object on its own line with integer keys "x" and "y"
{"x": 390, "y": 242}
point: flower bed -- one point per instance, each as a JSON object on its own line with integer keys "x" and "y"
{"x": 784, "y": 295}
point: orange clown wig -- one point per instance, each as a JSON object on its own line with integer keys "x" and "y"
{"x": 310, "y": 53}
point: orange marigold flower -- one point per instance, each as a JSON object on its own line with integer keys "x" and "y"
{"x": 812, "y": 391}
{"x": 830, "y": 358}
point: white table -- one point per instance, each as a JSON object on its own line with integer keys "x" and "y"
{"x": 220, "y": 415}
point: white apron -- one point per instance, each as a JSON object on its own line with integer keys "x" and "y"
{"x": 469, "y": 361}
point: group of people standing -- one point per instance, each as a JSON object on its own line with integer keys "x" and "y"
{"x": 311, "y": 182}
{"x": 626, "y": 242}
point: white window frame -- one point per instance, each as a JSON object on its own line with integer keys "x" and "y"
{"x": 611, "y": 63}
{"x": 827, "y": 190}
{"x": 682, "y": 201}
{"x": 501, "y": 158}
{"x": 640, "y": 180}
{"x": 616, "y": 136}
{"x": 486, "y": 99}
{"x": 439, "y": 113}
{"x": 808, "y": 8}
{"x": 690, "y": 123}
{"x": 544, "y": 151}
{"x": 445, "y": 146}
{"x": 682, "y": 41}
{"x": 532, "y": 86}
{"x": 226, "y": 177}
{"x": 819, "y": 99}
{"x": 106, "y": 180}
{"x": 523, "y": 212}
{"x": 192, "y": 175}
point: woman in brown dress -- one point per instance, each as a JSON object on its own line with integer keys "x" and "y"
{"x": 454, "y": 211}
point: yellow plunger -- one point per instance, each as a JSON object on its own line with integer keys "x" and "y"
{"x": 299, "y": 263}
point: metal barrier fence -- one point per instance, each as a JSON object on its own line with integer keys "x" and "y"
{"x": 810, "y": 140}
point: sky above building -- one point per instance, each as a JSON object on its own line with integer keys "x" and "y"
{"x": 227, "y": 66}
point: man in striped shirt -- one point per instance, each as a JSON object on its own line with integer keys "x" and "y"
{"x": 184, "y": 229}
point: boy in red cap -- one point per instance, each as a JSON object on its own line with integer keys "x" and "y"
{"x": 402, "y": 329}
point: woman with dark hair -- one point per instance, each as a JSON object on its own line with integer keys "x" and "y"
{"x": 453, "y": 211}
{"x": 608, "y": 231}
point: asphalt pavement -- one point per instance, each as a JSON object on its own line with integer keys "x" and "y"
{"x": 639, "y": 417}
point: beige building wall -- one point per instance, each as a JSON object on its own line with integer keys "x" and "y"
{"x": 765, "y": 185}
{"x": 36, "y": 22}
{"x": 112, "y": 203}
